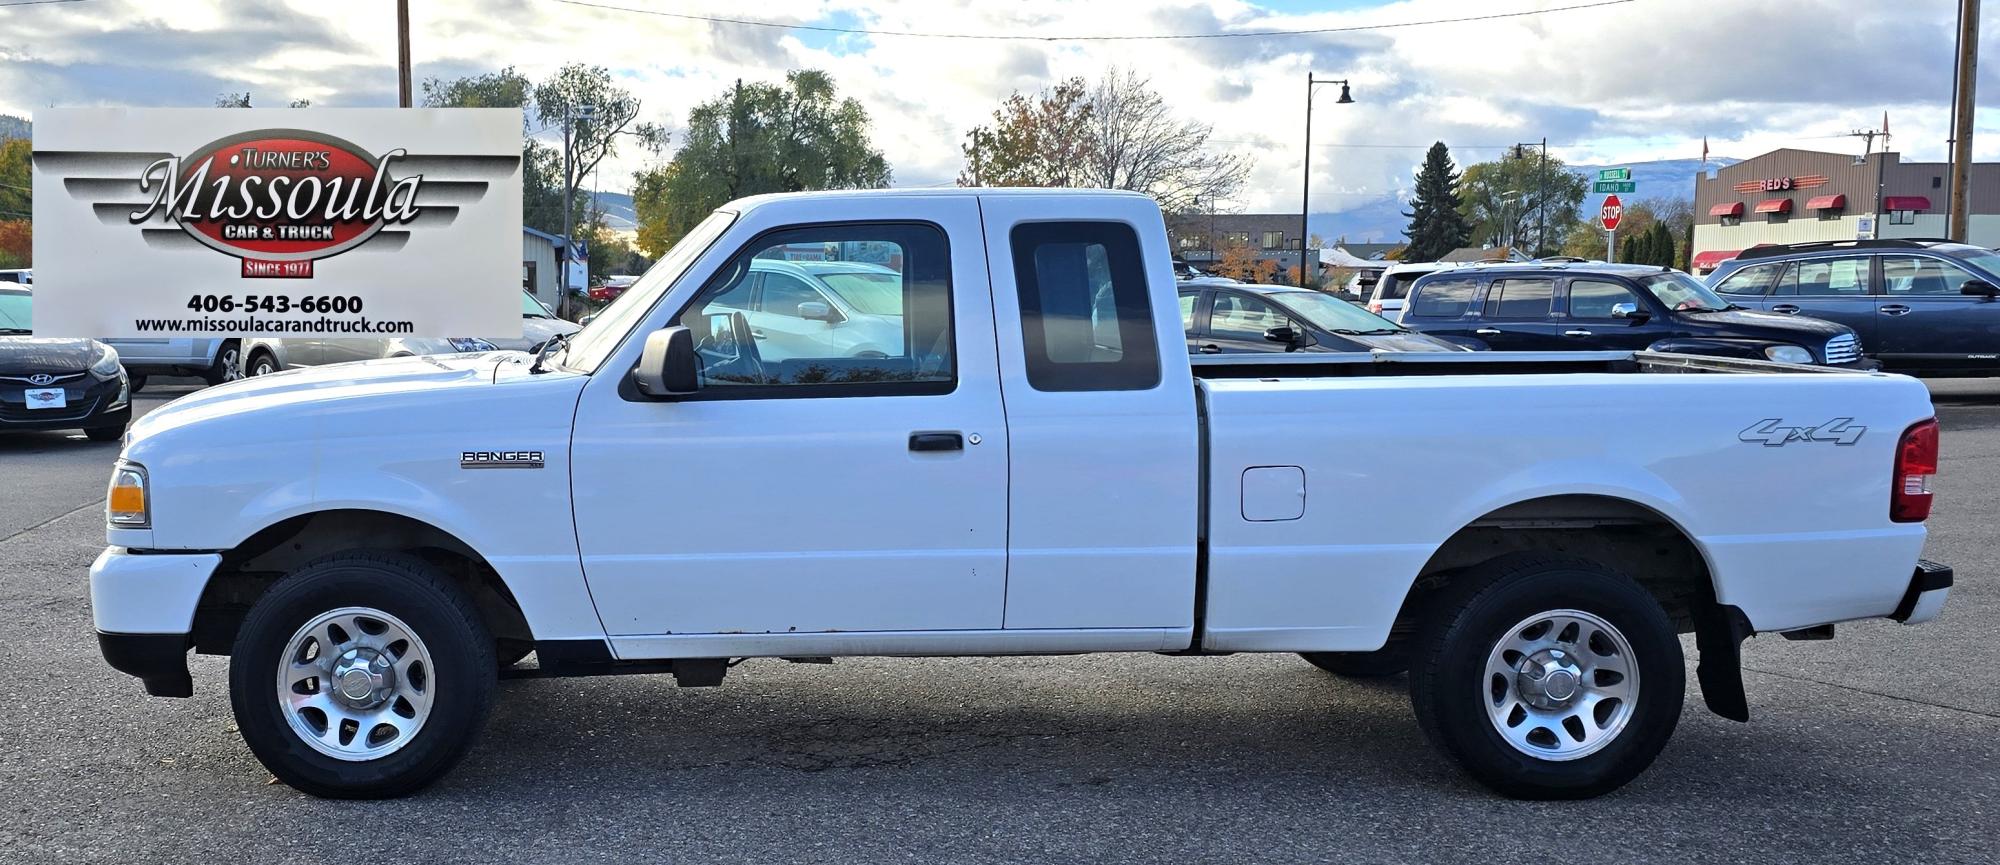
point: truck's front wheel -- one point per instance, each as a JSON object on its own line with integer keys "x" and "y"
{"x": 1547, "y": 677}
{"x": 361, "y": 675}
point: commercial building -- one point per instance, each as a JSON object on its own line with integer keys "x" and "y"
{"x": 1200, "y": 238}
{"x": 1795, "y": 196}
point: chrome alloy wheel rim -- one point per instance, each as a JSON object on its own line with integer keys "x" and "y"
{"x": 1560, "y": 685}
{"x": 355, "y": 683}
{"x": 232, "y": 367}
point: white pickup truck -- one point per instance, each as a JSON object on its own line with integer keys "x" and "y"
{"x": 1035, "y": 467}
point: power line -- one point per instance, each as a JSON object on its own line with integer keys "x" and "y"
{"x": 1015, "y": 37}
{"x": 35, "y": 2}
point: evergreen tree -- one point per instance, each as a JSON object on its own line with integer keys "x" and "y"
{"x": 1436, "y": 226}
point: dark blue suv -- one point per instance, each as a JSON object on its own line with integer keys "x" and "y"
{"x": 1577, "y": 305}
{"x": 1923, "y": 307}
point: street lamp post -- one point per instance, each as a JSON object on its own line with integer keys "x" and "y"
{"x": 1305, "y": 196}
{"x": 1541, "y": 192}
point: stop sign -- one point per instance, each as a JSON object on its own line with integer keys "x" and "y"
{"x": 1612, "y": 211}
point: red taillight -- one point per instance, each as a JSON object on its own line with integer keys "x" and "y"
{"x": 1916, "y": 464}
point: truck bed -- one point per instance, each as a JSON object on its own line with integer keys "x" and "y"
{"x": 1407, "y": 363}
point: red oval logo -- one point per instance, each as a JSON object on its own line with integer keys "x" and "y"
{"x": 280, "y": 195}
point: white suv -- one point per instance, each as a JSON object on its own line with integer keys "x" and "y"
{"x": 1394, "y": 285}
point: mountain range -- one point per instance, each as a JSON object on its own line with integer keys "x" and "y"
{"x": 1382, "y": 221}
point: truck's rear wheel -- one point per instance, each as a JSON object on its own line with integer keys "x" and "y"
{"x": 361, "y": 675}
{"x": 1386, "y": 661}
{"x": 1547, "y": 677}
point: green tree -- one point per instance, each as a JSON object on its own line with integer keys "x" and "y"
{"x": 758, "y": 138}
{"x": 16, "y": 201}
{"x": 1436, "y": 224}
{"x": 242, "y": 100}
{"x": 1509, "y": 200}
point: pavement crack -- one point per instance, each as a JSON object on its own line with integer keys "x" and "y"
{"x": 1882, "y": 694}
{"x": 71, "y": 511}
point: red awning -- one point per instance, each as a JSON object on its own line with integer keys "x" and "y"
{"x": 1708, "y": 260}
{"x": 1775, "y": 205}
{"x": 1734, "y": 208}
{"x": 1905, "y": 202}
{"x": 1827, "y": 202}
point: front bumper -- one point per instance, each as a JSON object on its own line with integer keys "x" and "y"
{"x": 92, "y": 403}
{"x": 143, "y": 607}
{"x": 1926, "y": 595}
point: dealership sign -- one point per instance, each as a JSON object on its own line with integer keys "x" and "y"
{"x": 245, "y": 222}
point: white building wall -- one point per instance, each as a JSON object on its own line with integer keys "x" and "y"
{"x": 1981, "y": 230}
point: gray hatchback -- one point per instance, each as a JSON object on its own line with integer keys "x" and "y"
{"x": 1922, "y": 307}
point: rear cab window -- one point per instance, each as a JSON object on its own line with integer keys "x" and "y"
{"x": 1086, "y": 316}
{"x": 1443, "y": 298}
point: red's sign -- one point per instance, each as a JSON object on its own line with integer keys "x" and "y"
{"x": 1613, "y": 211}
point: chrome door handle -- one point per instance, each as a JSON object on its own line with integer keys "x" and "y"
{"x": 1211, "y": 349}
{"x": 1576, "y": 333}
{"x": 1895, "y": 309}
{"x": 1786, "y": 308}
{"x": 1488, "y": 331}
{"x": 756, "y": 334}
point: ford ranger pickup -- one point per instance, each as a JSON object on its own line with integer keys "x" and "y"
{"x": 1030, "y": 463}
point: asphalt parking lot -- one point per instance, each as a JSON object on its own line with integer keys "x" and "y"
{"x": 1880, "y": 746}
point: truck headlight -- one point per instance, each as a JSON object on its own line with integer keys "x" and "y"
{"x": 470, "y": 343}
{"x": 1788, "y": 354}
{"x": 106, "y": 366}
{"x": 126, "y": 505}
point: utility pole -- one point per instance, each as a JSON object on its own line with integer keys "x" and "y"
{"x": 1541, "y": 193}
{"x": 403, "y": 53}
{"x": 1961, "y": 155}
{"x": 1305, "y": 195}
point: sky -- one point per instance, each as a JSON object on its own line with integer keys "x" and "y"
{"x": 1627, "y": 82}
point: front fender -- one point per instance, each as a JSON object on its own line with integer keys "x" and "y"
{"x": 1752, "y": 349}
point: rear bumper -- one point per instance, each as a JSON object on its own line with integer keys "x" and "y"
{"x": 1925, "y": 597}
{"x": 159, "y": 660}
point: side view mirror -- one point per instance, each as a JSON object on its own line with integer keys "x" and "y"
{"x": 814, "y": 310}
{"x": 1979, "y": 288}
{"x": 586, "y": 320}
{"x": 668, "y": 366}
{"x": 1629, "y": 311}
{"x": 1282, "y": 334}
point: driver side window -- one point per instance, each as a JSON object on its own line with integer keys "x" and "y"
{"x": 1237, "y": 317}
{"x": 876, "y": 317}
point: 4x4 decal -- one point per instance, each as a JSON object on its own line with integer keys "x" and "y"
{"x": 1772, "y": 433}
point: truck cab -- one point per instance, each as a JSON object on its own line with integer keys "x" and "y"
{"x": 1033, "y": 464}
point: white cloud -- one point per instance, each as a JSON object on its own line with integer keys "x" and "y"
{"x": 1635, "y": 81}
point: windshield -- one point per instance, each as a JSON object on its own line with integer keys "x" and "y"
{"x": 1330, "y": 313}
{"x": 591, "y": 345}
{"x": 1983, "y": 259}
{"x": 14, "y": 306}
{"x": 869, "y": 293}
{"x": 532, "y": 308}
{"x": 1682, "y": 293}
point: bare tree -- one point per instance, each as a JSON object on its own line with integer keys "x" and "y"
{"x": 1119, "y": 134}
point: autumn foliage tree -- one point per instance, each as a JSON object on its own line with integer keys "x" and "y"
{"x": 1235, "y": 259}
{"x": 1116, "y": 134}
{"x": 16, "y": 243}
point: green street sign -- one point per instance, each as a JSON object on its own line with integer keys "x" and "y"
{"x": 1614, "y": 186}
{"x": 1614, "y": 174}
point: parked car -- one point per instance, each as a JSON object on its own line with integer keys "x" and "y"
{"x": 1587, "y": 305}
{"x": 48, "y": 383}
{"x": 264, "y": 356}
{"x": 1232, "y": 317}
{"x": 609, "y": 289}
{"x": 1924, "y": 307}
{"x": 820, "y": 308}
{"x": 19, "y": 277}
{"x": 213, "y": 360}
{"x": 1038, "y": 468}
{"x": 1393, "y": 285}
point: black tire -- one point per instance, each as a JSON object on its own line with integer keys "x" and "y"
{"x": 1386, "y": 661}
{"x": 1477, "y": 612}
{"x": 260, "y": 363}
{"x": 138, "y": 382}
{"x": 437, "y": 612}
{"x": 105, "y": 433}
{"x": 227, "y": 365}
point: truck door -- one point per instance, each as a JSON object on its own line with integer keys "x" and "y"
{"x": 805, "y": 494}
{"x": 1103, "y": 483}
